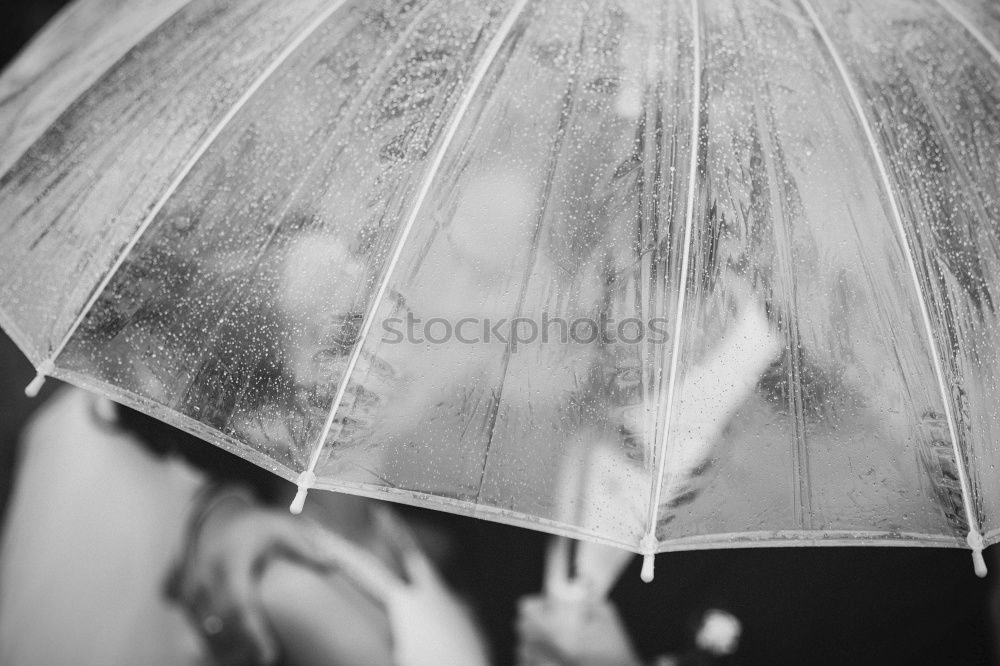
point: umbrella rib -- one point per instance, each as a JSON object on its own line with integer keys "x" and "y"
{"x": 342, "y": 120}
{"x": 48, "y": 365}
{"x": 307, "y": 478}
{"x": 954, "y": 13}
{"x": 974, "y": 537}
{"x": 649, "y": 543}
{"x": 784, "y": 244}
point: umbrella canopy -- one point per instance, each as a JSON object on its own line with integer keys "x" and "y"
{"x": 657, "y": 275}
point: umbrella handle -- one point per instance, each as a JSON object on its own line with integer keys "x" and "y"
{"x": 597, "y": 568}
{"x": 560, "y": 584}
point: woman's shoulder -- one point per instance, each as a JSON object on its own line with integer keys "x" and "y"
{"x": 324, "y": 618}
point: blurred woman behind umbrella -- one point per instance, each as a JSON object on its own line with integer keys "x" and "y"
{"x": 357, "y": 589}
{"x": 343, "y": 584}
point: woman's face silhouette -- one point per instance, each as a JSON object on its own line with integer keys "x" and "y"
{"x": 320, "y": 289}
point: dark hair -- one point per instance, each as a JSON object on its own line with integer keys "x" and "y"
{"x": 219, "y": 465}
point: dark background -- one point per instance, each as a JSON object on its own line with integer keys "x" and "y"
{"x": 18, "y": 22}
{"x": 797, "y": 605}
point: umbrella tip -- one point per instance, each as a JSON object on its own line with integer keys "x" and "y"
{"x": 299, "y": 502}
{"x": 32, "y": 389}
{"x": 305, "y": 481}
{"x": 979, "y": 563}
{"x": 647, "y": 568}
{"x": 648, "y": 544}
{"x": 975, "y": 541}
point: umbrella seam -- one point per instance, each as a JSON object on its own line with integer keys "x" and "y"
{"x": 461, "y": 507}
{"x": 344, "y": 118}
{"x": 954, "y": 13}
{"x": 802, "y": 499}
{"x": 714, "y": 540}
{"x": 307, "y": 478}
{"x": 176, "y": 419}
{"x": 46, "y": 366}
{"x": 567, "y": 108}
{"x": 972, "y": 516}
{"x": 649, "y": 540}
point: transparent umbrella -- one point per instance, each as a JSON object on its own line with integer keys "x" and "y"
{"x": 656, "y": 275}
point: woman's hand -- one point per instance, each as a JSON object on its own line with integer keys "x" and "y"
{"x": 572, "y": 633}
{"x": 231, "y": 541}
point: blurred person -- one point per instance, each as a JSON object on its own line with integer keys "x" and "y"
{"x": 573, "y": 622}
{"x": 92, "y": 526}
{"x": 347, "y": 582}
{"x": 105, "y": 536}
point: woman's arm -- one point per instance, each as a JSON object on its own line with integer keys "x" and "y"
{"x": 231, "y": 542}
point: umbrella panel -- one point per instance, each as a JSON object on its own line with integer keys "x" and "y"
{"x": 456, "y": 161}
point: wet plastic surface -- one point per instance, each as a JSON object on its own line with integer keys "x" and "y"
{"x": 754, "y": 247}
